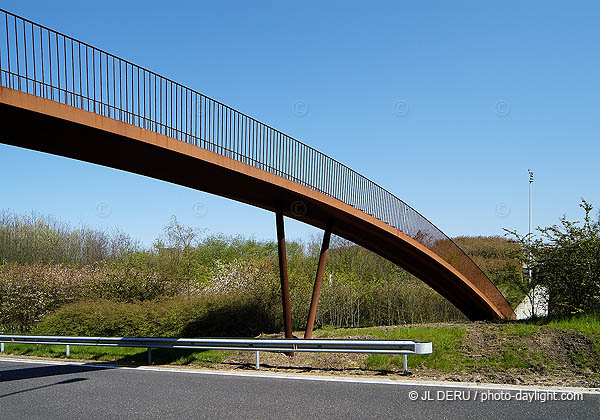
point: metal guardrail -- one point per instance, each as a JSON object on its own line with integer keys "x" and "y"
{"x": 404, "y": 347}
{"x": 43, "y": 62}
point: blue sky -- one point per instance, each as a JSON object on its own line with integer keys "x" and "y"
{"x": 445, "y": 104}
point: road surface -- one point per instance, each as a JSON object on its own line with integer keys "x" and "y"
{"x": 49, "y": 390}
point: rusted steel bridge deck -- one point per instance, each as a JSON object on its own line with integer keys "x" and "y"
{"x": 62, "y": 96}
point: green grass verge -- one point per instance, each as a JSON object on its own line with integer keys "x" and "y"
{"x": 447, "y": 341}
{"x": 122, "y": 355}
{"x": 520, "y": 329}
{"x": 513, "y": 356}
{"x": 588, "y": 324}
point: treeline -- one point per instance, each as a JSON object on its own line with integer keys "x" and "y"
{"x": 27, "y": 239}
{"x": 498, "y": 257}
{"x": 53, "y": 276}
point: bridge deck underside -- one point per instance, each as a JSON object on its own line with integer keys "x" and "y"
{"x": 39, "y": 124}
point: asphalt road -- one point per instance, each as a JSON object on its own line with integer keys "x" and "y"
{"x": 45, "y": 391}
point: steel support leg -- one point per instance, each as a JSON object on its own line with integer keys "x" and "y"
{"x": 312, "y": 312}
{"x": 283, "y": 274}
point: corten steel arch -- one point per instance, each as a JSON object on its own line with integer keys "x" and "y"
{"x": 62, "y": 96}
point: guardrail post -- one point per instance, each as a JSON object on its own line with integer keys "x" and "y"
{"x": 68, "y": 350}
{"x": 149, "y": 356}
{"x": 312, "y": 312}
{"x": 405, "y": 360}
{"x": 1, "y": 347}
{"x": 257, "y": 360}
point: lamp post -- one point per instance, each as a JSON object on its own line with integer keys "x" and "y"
{"x": 530, "y": 219}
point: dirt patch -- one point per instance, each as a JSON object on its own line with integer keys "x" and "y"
{"x": 554, "y": 357}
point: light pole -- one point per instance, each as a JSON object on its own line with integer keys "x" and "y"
{"x": 530, "y": 219}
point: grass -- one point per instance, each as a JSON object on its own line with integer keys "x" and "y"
{"x": 520, "y": 329}
{"x": 588, "y": 324}
{"x": 512, "y": 357}
{"x": 447, "y": 342}
{"x": 449, "y": 356}
{"x": 122, "y": 355}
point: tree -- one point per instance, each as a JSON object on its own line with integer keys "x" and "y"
{"x": 565, "y": 259}
{"x": 180, "y": 237}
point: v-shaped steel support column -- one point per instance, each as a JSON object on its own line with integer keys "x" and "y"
{"x": 283, "y": 275}
{"x": 312, "y": 312}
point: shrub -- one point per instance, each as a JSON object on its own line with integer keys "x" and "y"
{"x": 177, "y": 317}
{"x": 396, "y": 300}
{"x": 29, "y": 292}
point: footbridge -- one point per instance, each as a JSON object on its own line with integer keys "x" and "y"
{"x": 62, "y": 96}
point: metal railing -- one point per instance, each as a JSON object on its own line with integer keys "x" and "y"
{"x": 404, "y": 347}
{"x": 40, "y": 61}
